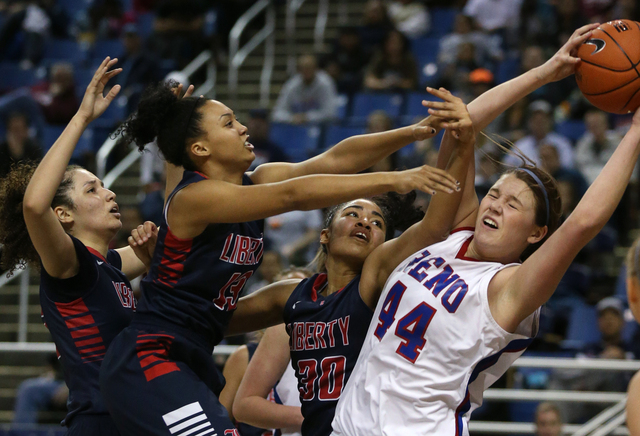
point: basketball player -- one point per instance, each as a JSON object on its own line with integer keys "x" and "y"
{"x": 454, "y": 315}
{"x": 327, "y": 316}
{"x": 159, "y": 373}
{"x": 633, "y": 295}
{"x": 62, "y": 219}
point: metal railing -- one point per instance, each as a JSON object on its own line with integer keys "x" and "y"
{"x": 23, "y": 299}
{"x": 293, "y": 6}
{"x": 238, "y": 55}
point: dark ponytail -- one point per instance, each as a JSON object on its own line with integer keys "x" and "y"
{"x": 173, "y": 121}
{"x": 18, "y": 250}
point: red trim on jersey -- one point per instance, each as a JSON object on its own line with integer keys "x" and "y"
{"x": 96, "y": 253}
{"x": 461, "y": 229}
{"x": 152, "y": 352}
{"x": 202, "y": 174}
{"x": 81, "y": 324}
{"x": 173, "y": 257}
{"x": 463, "y": 251}
{"x": 317, "y": 285}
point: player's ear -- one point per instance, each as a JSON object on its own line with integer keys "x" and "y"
{"x": 200, "y": 149}
{"x": 63, "y": 215}
{"x": 324, "y": 236}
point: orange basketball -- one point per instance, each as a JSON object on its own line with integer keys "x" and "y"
{"x": 609, "y": 74}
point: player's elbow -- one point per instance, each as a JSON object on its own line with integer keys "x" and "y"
{"x": 239, "y": 409}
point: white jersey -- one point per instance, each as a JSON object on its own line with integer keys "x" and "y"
{"x": 432, "y": 347}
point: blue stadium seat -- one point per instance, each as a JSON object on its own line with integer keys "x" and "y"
{"x": 582, "y": 328}
{"x": 72, "y": 7}
{"x": 364, "y": 104}
{"x": 66, "y": 50}
{"x": 572, "y": 129}
{"x": 109, "y": 47}
{"x": 425, "y": 48}
{"x": 85, "y": 145}
{"x": 507, "y": 69}
{"x": 298, "y": 142}
{"x": 442, "y": 20}
{"x": 82, "y": 77}
{"x": 335, "y": 134}
{"x": 414, "y": 106}
{"x": 343, "y": 106}
{"x": 14, "y": 77}
{"x": 145, "y": 24}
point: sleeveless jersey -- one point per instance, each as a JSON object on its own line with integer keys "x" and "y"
{"x": 432, "y": 348}
{"x": 286, "y": 393}
{"x": 326, "y": 335}
{"x": 84, "y": 313}
{"x": 193, "y": 284}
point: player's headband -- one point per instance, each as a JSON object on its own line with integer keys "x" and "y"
{"x": 544, "y": 191}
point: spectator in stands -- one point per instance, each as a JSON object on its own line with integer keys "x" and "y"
{"x": 532, "y": 57}
{"x": 178, "y": 30}
{"x": 308, "y": 97}
{"x": 393, "y": 68}
{"x": 455, "y": 76}
{"x": 17, "y": 145}
{"x": 379, "y": 121}
{"x": 497, "y": 17}
{"x": 487, "y": 48}
{"x": 264, "y": 149}
{"x": 36, "y": 20}
{"x": 596, "y": 145}
{"x": 47, "y": 392}
{"x": 57, "y": 96}
{"x": 540, "y": 124}
{"x": 568, "y": 15}
{"x": 548, "y": 420}
{"x": 271, "y": 266}
{"x": 410, "y": 17}
{"x": 294, "y": 235}
{"x": 375, "y": 25}
{"x": 550, "y": 162}
{"x": 106, "y": 18}
{"x": 139, "y": 67}
{"x": 612, "y": 345}
{"x": 347, "y": 61}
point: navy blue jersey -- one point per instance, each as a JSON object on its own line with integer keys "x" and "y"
{"x": 326, "y": 335}
{"x": 84, "y": 313}
{"x": 193, "y": 284}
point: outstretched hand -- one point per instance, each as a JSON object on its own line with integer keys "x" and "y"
{"x": 453, "y": 113}
{"x": 143, "y": 241}
{"x": 565, "y": 61}
{"x": 94, "y": 103}
{"x": 178, "y": 90}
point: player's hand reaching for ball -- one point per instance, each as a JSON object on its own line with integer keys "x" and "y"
{"x": 425, "y": 178}
{"x": 143, "y": 241}
{"x": 453, "y": 114}
{"x": 564, "y": 62}
{"x": 94, "y": 103}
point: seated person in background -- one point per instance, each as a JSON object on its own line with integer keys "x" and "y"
{"x": 375, "y": 25}
{"x": 42, "y": 393}
{"x": 612, "y": 345}
{"x": 548, "y": 421}
{"x": 347, "y": 61}
{"x": 310, "y": 96}
{"x": 264, "y": 149}
{"x": 410, "y": 17}
{"x": 393, "y": 68}
{"x": 540, "y": 126}
{"x": 17, "y": 146}
{"x": 596, "y": 145}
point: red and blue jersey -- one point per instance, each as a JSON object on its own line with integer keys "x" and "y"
{"x": 193, "y": 284}
{"x": 84, "y": 313}
{"x": 326, "y": 335}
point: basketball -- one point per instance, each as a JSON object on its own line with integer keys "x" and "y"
{"x": 609, "y": 75}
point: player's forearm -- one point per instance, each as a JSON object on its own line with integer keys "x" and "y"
{"x": 50, "y": 172}
{"x": 262, "y": 413}
{"x": 360, "y": 152}
{"x": 485, "y": 108}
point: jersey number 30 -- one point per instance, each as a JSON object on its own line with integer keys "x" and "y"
{"x": 411, "y": 328}
{"x": 330, "y": 376}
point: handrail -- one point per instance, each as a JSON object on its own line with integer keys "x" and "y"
{"x": 553, "y": 395}
{"x": 40, "y": 347}
{"x": 321, "y": 24}
{"x": 577, "y": 363}
{"x": 290, "y": 26}
{"x": 494, "y": 427}
{"x": 602, "y": 417}
{"x": 4, "y": 279}
{"x": 238, "y": 55}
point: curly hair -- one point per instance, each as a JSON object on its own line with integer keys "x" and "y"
{"x": 173, "y": 121}
{"x": 18, "y": 250}
{"x": 398, "y": 211}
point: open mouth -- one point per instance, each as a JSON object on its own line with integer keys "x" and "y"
{"x": 115, "y": 210}
{"x": 248, "y": 145}
{"x": 490, "y": 223}
{"x": 362, "y": 236}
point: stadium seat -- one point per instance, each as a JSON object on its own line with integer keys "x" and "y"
{"x": 343, "y": 106}
{"x": 66, "y": 50}
{"x": 364, "y": 104}
{"x": 572, "y": 129}
{"x": 442, "y": 20}
{"x": 110, "y": 47}
{"x": 583, "y": 326}
{"x": 145, "y": 24}
{"x": 335, "y": 134}
{"x": 507, "y": 69}
{"x": 425, "y": 48}
{"x": 298, "y": 142}
{"x": 72, "y": 7}
{"x": 14, "y": 77}
{"x": 414, "y": 106}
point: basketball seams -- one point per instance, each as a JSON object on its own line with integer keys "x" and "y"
{"x": 612, "y": 90}
{"x": 611, "y": 69}
{"x": 621, "y": 49}
{"x": 630, "y": 98}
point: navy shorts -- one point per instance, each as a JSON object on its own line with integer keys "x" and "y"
{"x": 95, "y": 425}
{"x": 150, "y": 389}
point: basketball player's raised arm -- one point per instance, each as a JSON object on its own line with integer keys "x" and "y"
{"x": 54, "y": 246}
{"x": 442, "y": 210}
{"x": 215, "y": 201}
{"x": 349, "y": 156}
{"x": 267, "y": 366}
{"x": 485, "y": 108}
{"x": 521, "y": 290}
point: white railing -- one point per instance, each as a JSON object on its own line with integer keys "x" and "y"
{"x": 23, "y": 299}
{"x": 238, "y": 55}
{"x": 318, "y": 32}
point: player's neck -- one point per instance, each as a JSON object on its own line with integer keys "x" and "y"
{"x": 339, "y": 275}
{"x": 215, "y": 171}
{"x": 99, "y": 244}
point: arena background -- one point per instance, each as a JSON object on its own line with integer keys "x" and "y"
{"x": 377, "y": 57}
